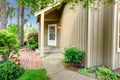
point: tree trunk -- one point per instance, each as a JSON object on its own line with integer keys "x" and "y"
{"x": 22, "y": 26}
{"x": 3, "y": 15}
{"x": 18, "y": 23}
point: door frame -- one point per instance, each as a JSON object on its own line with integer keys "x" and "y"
{"x": 55, "y": 25}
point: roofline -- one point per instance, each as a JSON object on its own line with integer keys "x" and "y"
{"x": 46, "y": 9}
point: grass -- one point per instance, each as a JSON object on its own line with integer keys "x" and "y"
{"x": 37, "y": 74}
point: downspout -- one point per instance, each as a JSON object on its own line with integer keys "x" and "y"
{"x": 114, "y": 33}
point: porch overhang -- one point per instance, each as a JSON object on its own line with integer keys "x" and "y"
{"x": 40, "y": 16}
{"x": 47, "y": 9}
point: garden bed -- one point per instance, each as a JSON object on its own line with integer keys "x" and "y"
{"x": 73, "y": 58}
{"x": 102, "y": 73}
{"x": 73, "y": 66}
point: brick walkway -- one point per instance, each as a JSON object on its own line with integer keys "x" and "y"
{"x": 29, "y": 60}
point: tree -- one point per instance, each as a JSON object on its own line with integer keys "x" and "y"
{"x": 3, "y": 15}
{"x": 18, "y": 22}
{"x": 11, "y": 13}
{"x": 22, "y": 25}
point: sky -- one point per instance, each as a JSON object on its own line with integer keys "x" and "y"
{"x": 32, "y": 18}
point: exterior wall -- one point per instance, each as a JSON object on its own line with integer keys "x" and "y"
{"x": 110, "y": 46}
{"x": 74, "y": 28}
{"x": 74, "y": 31}
{"x": 117, "y": 60}
{"x": 96, "y": 37}
{"x": 108, "y": 23}
{"x": 117, "y": 54}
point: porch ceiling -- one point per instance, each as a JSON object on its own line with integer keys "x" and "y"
{"x": 46, "y": 10}
{"x": 49, "y": 11}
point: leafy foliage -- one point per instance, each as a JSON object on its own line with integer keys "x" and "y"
{"x": 86, "y": 70}
{"x": 37, "y": 74}
{"x": 33, "y": 40}
{"x": 101, "y": 73}
{"x": 36, "y": 5}
{"x": 11, "y": 13}
{"x": 63, "y": 61}
{"x": 8, "y": 43}
{"x": 12, "y": 29}
{"x": 73, "y": 54}
{"x": 107, "y": 74}
{"x": 29, "y": 30}
{"x": 10, "y": 71}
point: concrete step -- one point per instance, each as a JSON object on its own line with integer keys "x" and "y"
{"x": 49, "y": 50}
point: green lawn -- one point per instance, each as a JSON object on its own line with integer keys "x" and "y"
{"x": 37, "y": 74}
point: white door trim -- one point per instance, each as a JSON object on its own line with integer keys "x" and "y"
{"x": 52, "y": 42}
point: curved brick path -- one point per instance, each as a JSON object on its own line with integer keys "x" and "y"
{"x": 29, "y": 60}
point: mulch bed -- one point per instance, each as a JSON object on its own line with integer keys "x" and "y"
{"x": 118, "y": 70}
{"x": 73, "y": 66}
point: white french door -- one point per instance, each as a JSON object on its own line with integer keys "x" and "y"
{"x": 52, "y": 34}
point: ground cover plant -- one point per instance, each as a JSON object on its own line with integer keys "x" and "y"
{"x": 102, "y": 73}
{"x": 10, "y": 71}
{"x": 73, "y": 58}
{"x": 37, "y": 74}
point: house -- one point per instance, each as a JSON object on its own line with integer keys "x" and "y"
{"x": 94, "y": 31}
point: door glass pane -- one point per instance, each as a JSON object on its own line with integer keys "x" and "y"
{"x": 52, "y": 33}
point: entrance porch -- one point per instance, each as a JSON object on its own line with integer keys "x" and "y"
{"x": 48, "y": 34}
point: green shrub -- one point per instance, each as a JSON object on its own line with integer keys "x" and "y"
{"x": 8, "y": 43}
{"x": 12, "y": 29}
{"x": 107, "y": 74}
{"x": 33, "y": 40}
{"x": 10, "y": 71}
{"x": 73, "y": 54}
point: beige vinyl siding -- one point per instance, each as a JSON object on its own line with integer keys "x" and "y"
{"x": 96, "y": 37}
{"x": 117, "y": 55}
{"x": 74, "y": 31}
{"x": 117, "y": 60}
{"x": 74, "y": 28}
{"x": 108, "y": 17}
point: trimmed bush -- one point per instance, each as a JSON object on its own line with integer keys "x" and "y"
{"x": 33, "y": 40}
{"x": 73, "y": 54}
{"x": 10, "y": 71}
{"x": 8, "y": 43}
